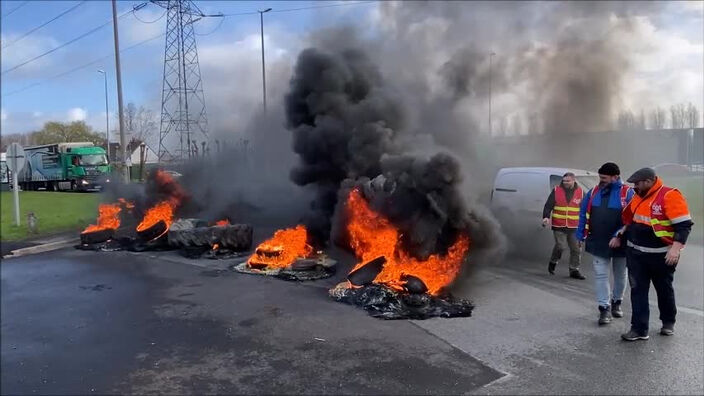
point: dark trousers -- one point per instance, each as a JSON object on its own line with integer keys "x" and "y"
{"x": 644, "y": 268}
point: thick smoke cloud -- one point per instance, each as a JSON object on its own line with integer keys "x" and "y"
{"x": 343, "y": 121}
{"x": 349, "y": 132}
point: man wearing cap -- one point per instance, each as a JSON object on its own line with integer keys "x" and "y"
{"x": 599, "y": 223}
{"x": 656, "y": 223}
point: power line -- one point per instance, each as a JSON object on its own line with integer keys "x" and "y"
{"x": 212, "y": 31}
{"x": 134, "y": 12}
{"x": 325, "y": 6}
{"x": 83, "y": 66}
{"x": 44, "y": 24}
{"x": 303, "y": 8}
{"x": 69, "y": 42}
{"x": 15, "y": 9}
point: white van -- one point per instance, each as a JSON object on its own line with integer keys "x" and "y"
{"x": 519, "y": 195}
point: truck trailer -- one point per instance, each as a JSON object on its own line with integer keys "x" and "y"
{"x": 79, "y": 166}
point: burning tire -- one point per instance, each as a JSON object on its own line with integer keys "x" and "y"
{"x": 90, "y": 238}
{"x": 153, "y": 232}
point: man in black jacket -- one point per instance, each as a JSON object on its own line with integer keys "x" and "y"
{"x": 562, "y": 211}
{"x": 599, "y": 223}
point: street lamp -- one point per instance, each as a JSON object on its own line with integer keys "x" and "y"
{"x": 261, "y": 21}
{"x": 490, "y": 90}
{"x": 107, "y": 117}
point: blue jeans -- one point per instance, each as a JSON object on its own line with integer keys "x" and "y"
{"x": 601, "y": 279}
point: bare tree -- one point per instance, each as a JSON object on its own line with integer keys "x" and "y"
{"x": 657, "y": 118}
{"x": 533, "y": 124}
{"x": 692, "y": 116}
{"x": 503, "y": 126}
{"x": 626, "y": 121}
{"x": 517, "y": 124}
{"x": 140, "y": 123}
{"x": 678, "y": 115}
{"x": 641, "y": 120}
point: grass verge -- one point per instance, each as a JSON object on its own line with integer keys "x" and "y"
{"x": 56, "y": 211}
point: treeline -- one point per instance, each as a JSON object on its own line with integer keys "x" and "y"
{"x": 56, "y": 132}
{"x": 678, "y": 117}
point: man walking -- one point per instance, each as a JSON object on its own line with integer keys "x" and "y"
{"x": 599, "y": 223}
{"x": 563, "y": 203}
{"x": 657, "y": 223}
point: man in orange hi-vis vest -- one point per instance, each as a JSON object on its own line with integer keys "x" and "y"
{"x": 656, "y": 223}
{"x": 562, "y": 211}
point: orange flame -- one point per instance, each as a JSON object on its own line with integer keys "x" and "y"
{"x": 108, "y": 218}
{"x": 372, "y": 235}
{"x": 127, "y": 204}
{"x": 216, "y": 246}
{"x": 161, "y": 211}
{"x": 222, "y": 223}
{"x": 164, "y": 210}
{"x": 281, "y": 250}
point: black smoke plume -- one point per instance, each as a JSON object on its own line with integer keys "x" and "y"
{"x": 347, "y": 127}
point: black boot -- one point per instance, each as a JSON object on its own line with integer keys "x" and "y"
{"x": 616, "y": 309}
{"x": 576, "y": 275}
{"x": 604, "y": 316}
{"x": 551, "y": 268}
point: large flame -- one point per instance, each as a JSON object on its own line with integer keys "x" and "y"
{"x": 282, "y": 250}
{"x": 164, "y": 210}
{"x": 372, "y": 235}
{"x": 108, "y": 218}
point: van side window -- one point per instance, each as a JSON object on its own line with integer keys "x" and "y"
{"x": 555, "y": 181}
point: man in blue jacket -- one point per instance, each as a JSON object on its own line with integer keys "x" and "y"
{"x": 599, "y": 223}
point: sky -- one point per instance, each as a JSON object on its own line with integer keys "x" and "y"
{"x": 668, "y": 56}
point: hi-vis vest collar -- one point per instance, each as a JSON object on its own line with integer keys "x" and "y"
{"x": 595, "y": 190}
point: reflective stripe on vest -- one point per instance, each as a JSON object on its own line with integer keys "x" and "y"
{"x": 566, "y": 214}
{"x": 644, "y": 249}
{"x": 624, "y": 203}
{"x": 661, "y": 225}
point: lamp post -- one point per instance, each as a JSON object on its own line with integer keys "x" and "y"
{"x": 107, "y": 117}
{"x": 120, "y": 114}
{"x": 261, "y": 24}
{"x": 490, "y": 90}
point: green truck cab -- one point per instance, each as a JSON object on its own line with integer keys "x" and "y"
{"x": 65, "y": 166}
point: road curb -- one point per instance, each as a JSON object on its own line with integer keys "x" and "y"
{"x": 47, "y": 247}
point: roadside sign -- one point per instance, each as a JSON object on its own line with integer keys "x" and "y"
{"x": 15, "y": 158}
{"x": 15, "y": 162}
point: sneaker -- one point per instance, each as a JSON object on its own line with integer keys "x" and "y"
{"x": 576, "y": 275}
{"x": 633, "y": 335}
{"x": 616, "y": 309}
{"x": 667, "y": 329}
{"x": 551, "y": 268}
{"x": 604, "y": 316}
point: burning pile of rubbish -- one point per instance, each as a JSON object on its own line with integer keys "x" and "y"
{"x": 158, "y": 229}
{"x": 387, "y": 281}
{"x": 288, "y": 255}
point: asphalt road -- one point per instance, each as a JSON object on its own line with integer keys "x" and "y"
{"x": 85, "y": 322}
{"x": 82, "y": 322}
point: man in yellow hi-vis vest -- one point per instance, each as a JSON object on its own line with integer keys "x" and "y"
{"x": 562, "y": 211}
